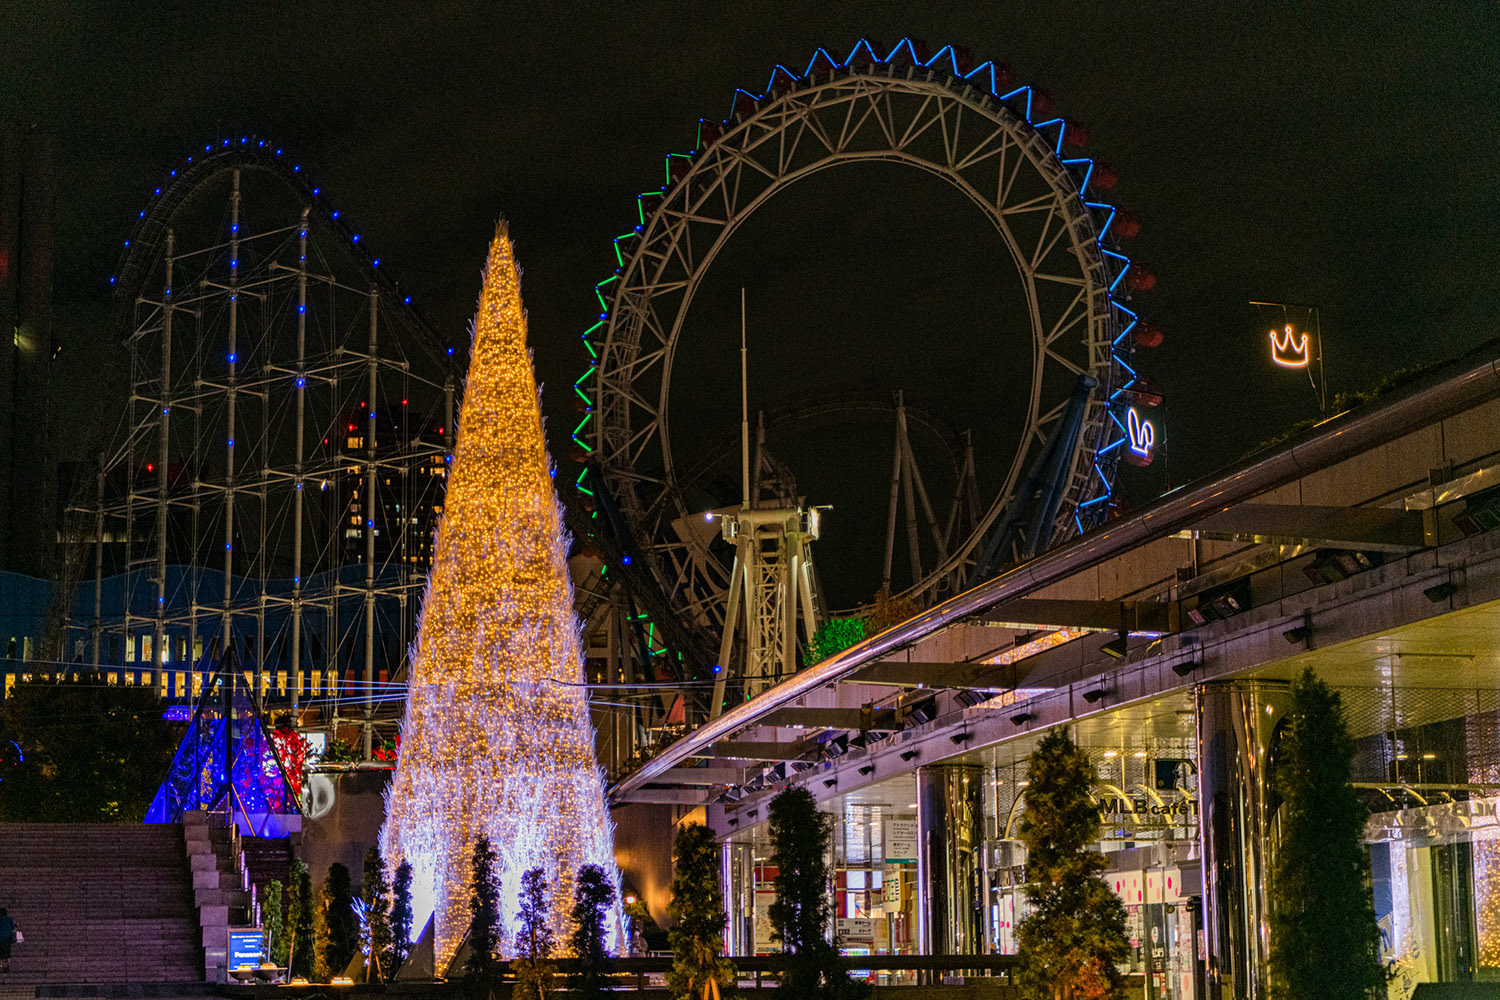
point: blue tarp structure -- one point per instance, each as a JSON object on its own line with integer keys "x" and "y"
{"x": 227, "y": 763}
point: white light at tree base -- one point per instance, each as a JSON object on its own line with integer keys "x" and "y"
{"x": 1290, "y": 350}
{"x": 496, "y": 741}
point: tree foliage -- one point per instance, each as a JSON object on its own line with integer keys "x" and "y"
{"x": 700, "y": 970}
{"x": 834, "y": 636}
{"x": 339, "y": 920}
{"x": 803, "y": 909}
{"x": 82, "y": 752}
{"x": 1075, "y": 936}
{"x": 593, "y": 892}
{"x": 270, "y": 910}
{"x": 1324, "y": 939}
{"x": 890, "y": 609}
{"x": 535, "y": 941}
{"x": 401, "y": 917}
{"x": 375, "y": 891}
{"x": 484, "y": 920}
{"x": 299, "y": 932}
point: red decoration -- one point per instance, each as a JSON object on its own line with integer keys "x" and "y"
{"x": 291, "y": 749}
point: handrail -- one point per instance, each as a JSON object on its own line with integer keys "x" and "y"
{"x": 1467, "y": 382}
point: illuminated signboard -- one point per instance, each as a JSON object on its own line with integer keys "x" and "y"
{"x": 1142, "y": 434}
{"x": 1290, "y": 350}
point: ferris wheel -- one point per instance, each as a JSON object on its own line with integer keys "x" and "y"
{"x": 1019, "y": 164}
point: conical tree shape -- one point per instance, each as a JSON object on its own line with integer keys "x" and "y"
{"x": 496, "y": 740}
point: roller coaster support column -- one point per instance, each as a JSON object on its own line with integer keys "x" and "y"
{"x": 98, "y": 629}
{"x": 297, "y": 501}
{"x": 231, "y": 402}
{"x": 369, "y": 507}
{"x": 159, "y": 631}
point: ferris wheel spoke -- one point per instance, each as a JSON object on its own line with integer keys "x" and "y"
{"x": 1066, "y": 362}
{"x": 1040, "y": 203}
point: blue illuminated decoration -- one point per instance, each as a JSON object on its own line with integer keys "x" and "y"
{"x": 227, "y": 761}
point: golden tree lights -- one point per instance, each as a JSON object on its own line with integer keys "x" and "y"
{"x": 497, "y": 741}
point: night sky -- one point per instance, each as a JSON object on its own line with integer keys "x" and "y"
{"x": 1345, "y": 157}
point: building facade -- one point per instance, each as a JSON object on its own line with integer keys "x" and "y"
{"x": 1366, "y": 549}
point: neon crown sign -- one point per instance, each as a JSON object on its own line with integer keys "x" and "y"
{"x": 1290, "y": 350}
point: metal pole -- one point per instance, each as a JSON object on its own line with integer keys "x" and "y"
{"x": 99, "y": 563}
{"x": 159, "y": 631}
{"x": 231, "y": 391}
{"x": 913, "y": 543}
{"x": 1322, "y": 377}
{"x": 297, "y": 501}
{"x": 369, "y": 511}
{"x": 890, "y": 520}
{"x": 744, "y": 413}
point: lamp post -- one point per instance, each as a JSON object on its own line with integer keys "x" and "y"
{"x": 1288, "y": 351}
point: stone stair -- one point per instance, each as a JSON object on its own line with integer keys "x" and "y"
{"x": 99, "y": 903}
{"x": 221, "y": 887}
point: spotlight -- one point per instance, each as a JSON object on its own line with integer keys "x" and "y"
{"x": 836, "y": 747}
{"x": 1186, "y": 667}
{"x": 753, "y": 813}
{"x": 961, "y": 738}
{"x": 909, "y": 755}
{"x": 1441, "y": 592}
{"x": 1094, "y": 694}
{"x": 1298, "y": 634}
{"x": 922, "y": 712}
{"x": 1021, "y": 718}
{"x": 867, "y": 770}
{"x": 734, "y": 822}
{"x": 830, "y": 782}
{"x": 968, "y": 697}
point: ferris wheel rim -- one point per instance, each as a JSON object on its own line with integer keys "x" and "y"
{"x": 1107, "y": 322}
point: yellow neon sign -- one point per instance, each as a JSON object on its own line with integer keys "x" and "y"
{"x": 1290, "y": 351}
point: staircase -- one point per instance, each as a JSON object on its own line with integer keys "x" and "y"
{"x": 221, "y": 885}
{"x": 99, "y": 903}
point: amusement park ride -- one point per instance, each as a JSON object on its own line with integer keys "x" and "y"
{"x": 280, "y": 471}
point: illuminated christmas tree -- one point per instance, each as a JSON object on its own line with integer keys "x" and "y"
{"x": 497, "y": 741}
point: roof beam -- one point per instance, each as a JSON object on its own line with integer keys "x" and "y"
{"x": 1376, "y": 529}
{"x": 912, "y": 673}
{"x": 758, "y": 751}
{"x": 1031, "y": 614}
{"x": 702, "y": 776}
{"x": 816, "y": 718}
{"x": 667, "y": 796}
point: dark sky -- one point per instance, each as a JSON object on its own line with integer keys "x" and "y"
{"x": 1345, "y": 156}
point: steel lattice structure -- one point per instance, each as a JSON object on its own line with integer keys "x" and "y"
{"x": 938, "y": 113}
{"x": 281, "y": 463}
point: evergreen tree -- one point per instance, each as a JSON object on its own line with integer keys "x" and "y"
{"x": 1075, "y": 935}
{"x": 339, "y": 920}
{"x": 803, "y": 908}
{"x": 401, "y": 917}
{"x": 700, "y": 971}
{"x": 270, "y": 915}
{"x": 484, "y": 921}
{"x": 1324, "y": 939}
{"x": 535, "y": 941}
{"x": 593, "y": 892}
{"x": 375, "y": 892}
{"x": 301, "y": 916}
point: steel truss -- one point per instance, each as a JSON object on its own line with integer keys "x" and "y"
{"x": 281, "y": 463}
{"x": 933, "y": 114}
